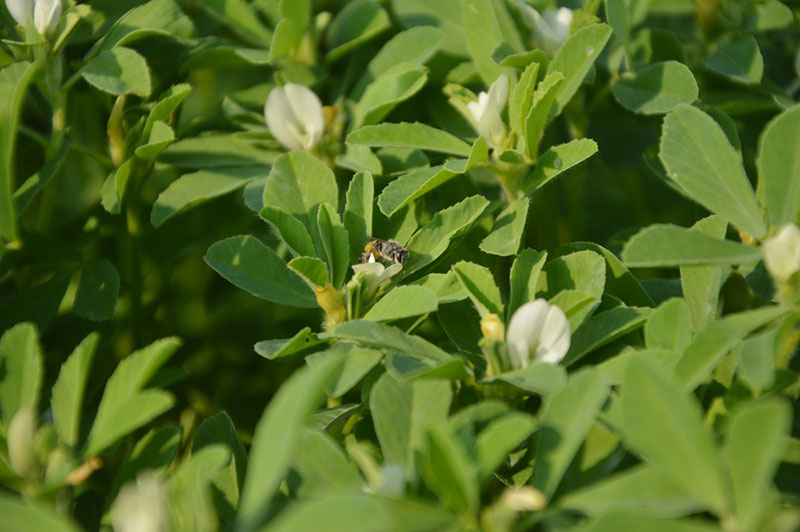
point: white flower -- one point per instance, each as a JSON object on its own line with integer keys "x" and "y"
{"x": 44, "y": 13}
{"x": 782, "y": 252}
{"x": 487, "y": 110}
{"x": 140, "y": 506}
{"x": 294, "y": 116}
{"x": 550, "y": 28}
{"x": 537, "y": 332}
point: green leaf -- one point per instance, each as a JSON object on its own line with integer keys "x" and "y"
{"x": 357, "y": 362}
{"x": 403, "y": 302}
{"x": 768, "y": 15}
{"x": 38, "y": 304}
{"x": 697, "y": 155}
{"x": 97, "y": 293}
{"x": 618, "y": 16}
{"x": 577, "y": 305}
{"x": 670, "y": 245}
{"x": 542, "y": 378}
{"x": 19, "y": 514}
{"x": 614, "y": 521}
{"x": 163, "y": 109}
{"x": 239, "y": 17}
{"x": 519, "y": 103}
{"x": 642, "y": 488}
{"x": 541, "y": 103}
{"x": 386, "y": 92}
{"x": 525, "y": 278}
{"x": 574, "y": 59}
{"x": 157, "y": 17}
{"x": 161, "y": 136}
{"x": 385, "y": 336}
{"x": 443, "y": 15}
{"x": 433, "y": 239}
{"x": 28, "y": 190}
{"x": 557, "y": 160}
{"x": 656, "y": 89}
{"x": 757, "y": 359}
{"x": 14, "y": 81}
{"x": 255, "y": 268}
{"x": 358, "y": 212}
{"x": 447, "y": 471}
{"x": 701, "y": 284}
{"x": 358, "y": 22}
{"x": 604, "y": 328}
{"x": 567, "y": 416}
{"x": 275, "y": 437}
{"x": 298, "y": 183}
{"x": 114, "y": 187}
{"x": 117, "y": 71}
{"x": 69, "y": 389}
{"x": 21, "y": 370}
{"x": 409, "y": 135}
{"x": 479, "y": 283}
{"x": 335, "y": 243}
{"x": 402, "y": 413}
{"x": 498, "y": 439}
{"x": 483, "y": 34}
{"x": 584, "y": 271}
{"x": 739, "y": 60}
{"x": 213, "y": 151}
{"x": 663, "y": 424}
{"x": 416, "y": 183}
{"x": 125, "y": 405}
{"x": 506, "y": 234}
{"x": 710, "y": 345}
{"x": 291, "y": 230}
{"x": 414, "y": 46}
{"x": 302, "y": 340}
{"x": 323, "y": 466}
{"x": 188, "y": 486}
{"x": 228, "y": 481}
{"x": 669, "y": 326}
{"x": 779, "y": 167}
{"x": 755, "y": 443}
{"x": 312, "y": 270}
{"x": 446, "y": 286}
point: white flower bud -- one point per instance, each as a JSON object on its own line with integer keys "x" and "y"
{"x": 294, "y": 116}
{"x": 140, "y": 506}
{"x": 45, "y": 14}
{"x": 782, "y": 252}
{"x": 537, "y": 332}
{"x": 488, "y": 109}
{"x": 551, "y": 27}
{"x": 21, "y": 445}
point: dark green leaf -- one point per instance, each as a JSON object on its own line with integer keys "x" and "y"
{"x": 97, "y": 293}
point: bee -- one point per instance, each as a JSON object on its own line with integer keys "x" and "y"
{"x": 388, "y": 250}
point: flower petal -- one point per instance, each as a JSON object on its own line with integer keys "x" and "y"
{"x": 21, "y": 10}
{"x": 46, "y": 15}
{"x": 281, "y": 120}
{"x": 537, "y": 332}
{"x": 308, "y": 110}
{"x": 782, "y": 252}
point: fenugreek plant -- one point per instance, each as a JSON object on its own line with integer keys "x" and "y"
{"x": 465, "y": 265}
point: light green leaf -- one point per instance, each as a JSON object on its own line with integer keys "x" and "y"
{"x": 618, "y": 16}
{"x": 447, "y": 471}
{"x": 768, "y": 15}
{"x": 358, "y": 22}
{"x": 117, "y": 71}
{"x": 69, "y": 389}
{"x": 506, "y": 234}
{"x": 239, "y": 17}
{"x": 615, "y": 521}
{"x": 213, "y": 151}
{"x": 697, "y": 155}
{"x": 161, "y": 136}
{"x": 541, "y": 103}
{"x": 298, "y": 183}
{"x": 19, "y": 514}
{"x": 604, "y": 328}
{"x": 642, "y": 488}
{"x": 779, "y": 167}
{"x": 754, "y": 447}
{"x": 97, "y": 293}
{"x": 656, "y": 88}
{"x": 670, "y": 245}
{"x": 710, "y": 345}
{"x": 446, "y": 286}
{"x": 584, "y": 271}
{"x": 275, "y": 437}
{"x": 188, "y": 486}
{"x": 669, "y": 326}
{"x": 557, "y": 160}
{"x": 125, "y": 405}
{"x": 483, "y": 34}
{"x": 358, "y": 212}
{"x": 577, "y": 305}
{"x": 663, "y": 424}
{"x": 157, "y": 17}
{"x": 402, "y": 413}
{"x": 312, "y": 270}
{"x": 498, "y": 439}
{"x": 542, "y": 378}
{"x": 433, "y": 239}
{"x": 739, "y": 60}
{"x": 757, "y": 359}
{"x": 403, "y": 302}
{"x": 114, "y": 187}
{"x": 701, "y": 284}
{"x": 386, "y": 92}
{"x": 525, "y": 278}
{"x": 357, "y": 362}
{"x": 302, "y": 340}
{"x": 291, "y": 230}
{"x": 409, "y": 135}
{"x": 335, "y": 243}
{"x": 567, "y": 416}
{"x": 163, "y": 109}
{"x": 574, "y": 59}
{"x": 519, "y": 102}
{"x": 443, "y": 15}
{"x": 323, "y": 466}
{"x": 387, "y": 337}
{"x": 255, "y": 268}
{"x": 21, "y": 370}
{"x": 479, "y": 283}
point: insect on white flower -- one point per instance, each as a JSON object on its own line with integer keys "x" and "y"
{"x": 294, "y": 116}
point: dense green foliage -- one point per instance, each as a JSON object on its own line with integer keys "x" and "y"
{"x": 581, "y": 312}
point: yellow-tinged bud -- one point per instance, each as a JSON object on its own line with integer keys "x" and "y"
{"x": 523, "y": 499}
{"x": 492, "y": 327}
{"x": 332, "y": 303}
{"x": 21, "y": 443}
